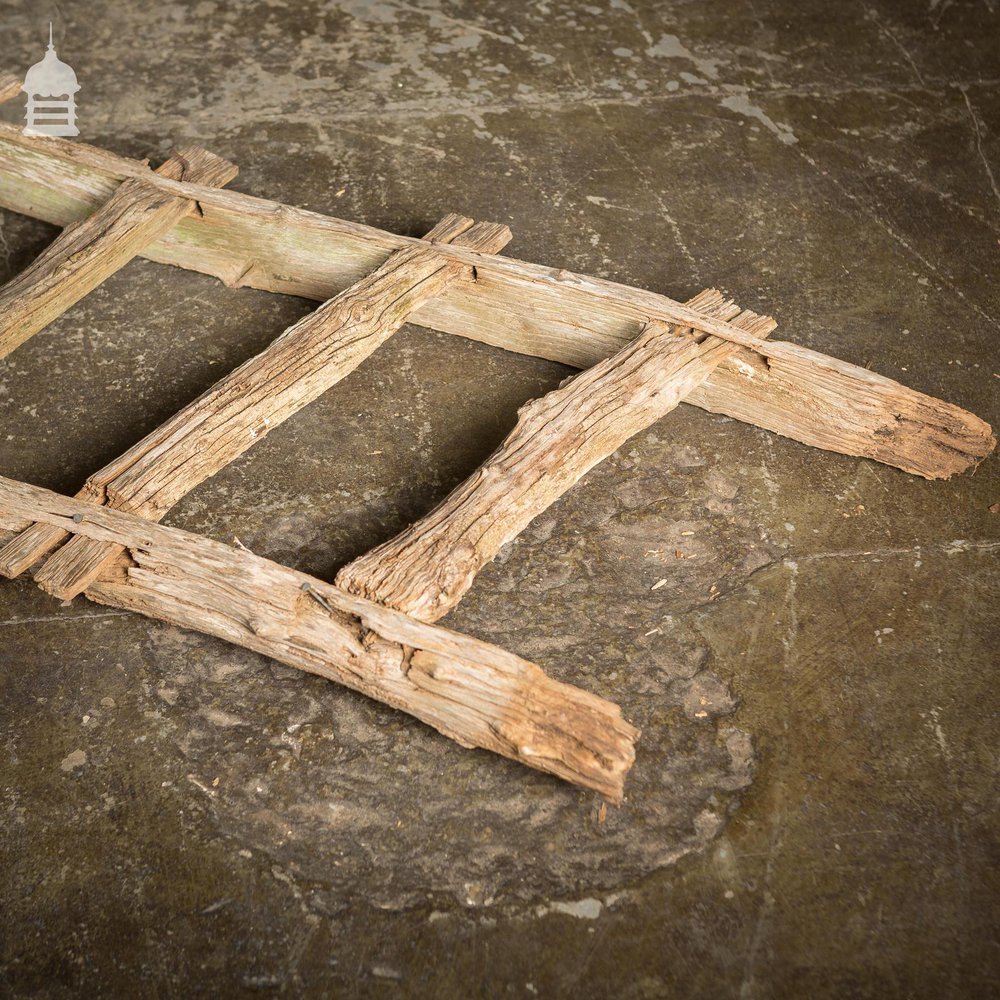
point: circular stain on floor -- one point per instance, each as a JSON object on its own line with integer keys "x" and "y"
{"x": 350, "y": 797}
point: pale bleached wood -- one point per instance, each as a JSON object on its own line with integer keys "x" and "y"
{"x": 10, "y": 87}
{"x": 558, "y": 438}
{"x": 88, "y": 252}
{"x": 241, "y": 409}
{"x": 471, "y": 691}
{"x": 528, "y": 308}
{"x": 849, "y": 410}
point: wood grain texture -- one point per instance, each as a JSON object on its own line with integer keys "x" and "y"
{"x": 558, "y": 438}
{"x": 87, "y": 252}
{"x": 471, "y": 691}
{"x": 529, "y": 308}
{"x": 10, "y": 87}
{"x": 241, "y": 409}
{"x": 850, "y": 410}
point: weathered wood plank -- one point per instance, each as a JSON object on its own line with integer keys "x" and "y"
{"x": 10, "y": 87}
{"x": 471, "y": 691}
{"x": 850, "y": 410}
{"x": 523, "y": 307}
{"x": 558, "y": 438}
{"x": 87, "y": 252}
{"x": 242, "y": 408}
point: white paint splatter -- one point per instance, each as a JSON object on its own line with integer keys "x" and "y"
{"x": 582, "y": 909}
{"x": 671, "y": 47}
{"x": 740, "y": 103}
{"x": 939, "y": 734}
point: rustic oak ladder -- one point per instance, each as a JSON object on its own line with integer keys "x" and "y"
{"x": 373, "y": 629}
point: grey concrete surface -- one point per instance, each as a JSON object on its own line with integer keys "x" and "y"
{"x": 813, "y": 811}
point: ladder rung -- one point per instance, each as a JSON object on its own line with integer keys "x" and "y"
{"x": 426, "y": 569}
{"x": 305, "y": 361}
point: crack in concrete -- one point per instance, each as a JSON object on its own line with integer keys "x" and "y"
{"x": 979, "y": 143}
{"x": 890, "y": 231}
{"x": 872, "y": 14}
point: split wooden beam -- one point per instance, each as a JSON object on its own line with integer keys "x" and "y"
{"x": 239, "y": 410}
{"x": 471, "y": 691}
{"x": 88, "y": 252}
{"x": 532, "y": 309}
{"x": 558, "y": 438}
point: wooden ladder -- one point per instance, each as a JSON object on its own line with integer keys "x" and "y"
{"x": 373, "y": 630}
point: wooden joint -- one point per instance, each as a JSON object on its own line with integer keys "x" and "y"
{"x": 87, "y": 252}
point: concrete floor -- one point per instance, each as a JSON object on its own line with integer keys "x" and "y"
{"x": 813, "y": 811}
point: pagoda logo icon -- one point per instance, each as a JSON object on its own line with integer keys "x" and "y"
{"x": 51, "y": 87}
